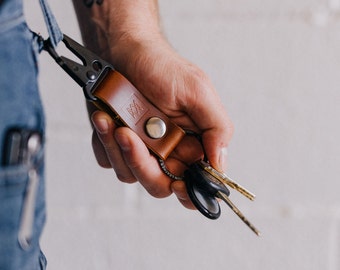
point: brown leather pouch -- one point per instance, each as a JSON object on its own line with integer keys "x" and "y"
{"x": 118, "y": 97}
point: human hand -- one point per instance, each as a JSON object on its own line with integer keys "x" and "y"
{"x": 184, "y": 93}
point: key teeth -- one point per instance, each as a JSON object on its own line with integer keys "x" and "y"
{"x": 224, "y": 180}
{"x": 238, "y": 212}
{"x": 228, "y": 181}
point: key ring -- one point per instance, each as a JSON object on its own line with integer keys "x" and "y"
{"x": 197, "y": 191}
{"x": 165, "y": 168}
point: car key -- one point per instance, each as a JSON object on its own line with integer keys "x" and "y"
{"x": 204, "y": 188}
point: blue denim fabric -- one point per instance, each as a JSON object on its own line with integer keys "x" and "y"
{"x": 20, "y": 106}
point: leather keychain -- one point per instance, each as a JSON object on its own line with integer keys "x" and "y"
{"x": 117, "y": 95}
{"x": 111, "y": 92}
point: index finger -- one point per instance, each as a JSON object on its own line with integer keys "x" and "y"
{"x": 210, "y": 116}
{"x": 142, "y": 164}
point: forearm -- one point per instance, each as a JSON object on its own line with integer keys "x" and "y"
{"x": 108, "y": 27}
{"x": 117, "y": 29}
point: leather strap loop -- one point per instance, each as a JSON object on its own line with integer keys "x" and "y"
{"x": 118, "y": 97}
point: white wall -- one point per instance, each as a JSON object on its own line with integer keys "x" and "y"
{"x": 276, "y": 65}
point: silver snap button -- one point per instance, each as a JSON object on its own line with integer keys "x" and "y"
{"x": 155, "y": 128}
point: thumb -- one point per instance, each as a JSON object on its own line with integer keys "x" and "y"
{"x": 215, "y": 144}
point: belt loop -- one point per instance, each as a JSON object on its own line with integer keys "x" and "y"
{"x": 52, "y": 26}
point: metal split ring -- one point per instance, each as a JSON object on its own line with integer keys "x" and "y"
{"x": 167, "y": 172}
{"x": 162, "y": 162}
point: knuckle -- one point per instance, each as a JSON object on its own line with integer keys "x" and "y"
{"x": 126, "y": 179}
{"x": 158, "y": 194}
{"x": 104, "y": 163}
{"x": 229, "y": 128}
{"x": 201, "y": 79}
{"x": 158, "y": 191}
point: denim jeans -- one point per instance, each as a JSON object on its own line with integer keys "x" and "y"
{"x": 20, "y": 107}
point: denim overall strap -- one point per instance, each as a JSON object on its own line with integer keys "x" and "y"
{"x": 52, "y": 26}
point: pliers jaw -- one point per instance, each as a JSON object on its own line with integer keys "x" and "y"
{"x": 87, "y": 74}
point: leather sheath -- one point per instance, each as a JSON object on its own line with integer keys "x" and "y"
{"x": 127, "y": 106}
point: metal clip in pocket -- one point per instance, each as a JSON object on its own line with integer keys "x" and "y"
{"x": 29, "y": 151}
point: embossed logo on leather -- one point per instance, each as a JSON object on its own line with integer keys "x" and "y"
{"x": 135, "y": 108}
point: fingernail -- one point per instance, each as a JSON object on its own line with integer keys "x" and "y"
{"x": 101, "y": 125}
{"x": 223, "y": 158}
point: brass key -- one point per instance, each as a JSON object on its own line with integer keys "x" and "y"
{"x": 204, "y": 187}
{"x": 226, "y": 180}
{"x": 233, "y": 207}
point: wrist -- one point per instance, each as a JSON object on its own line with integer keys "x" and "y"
{"x": 129, "y": 51}
{"x": 115, "y": 24}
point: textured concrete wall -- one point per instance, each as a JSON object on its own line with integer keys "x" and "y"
{"x": 276, "y": 65}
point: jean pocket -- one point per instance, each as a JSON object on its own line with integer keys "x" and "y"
{"x": 22, "y": 214}
{"x": 13, "y": 182}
